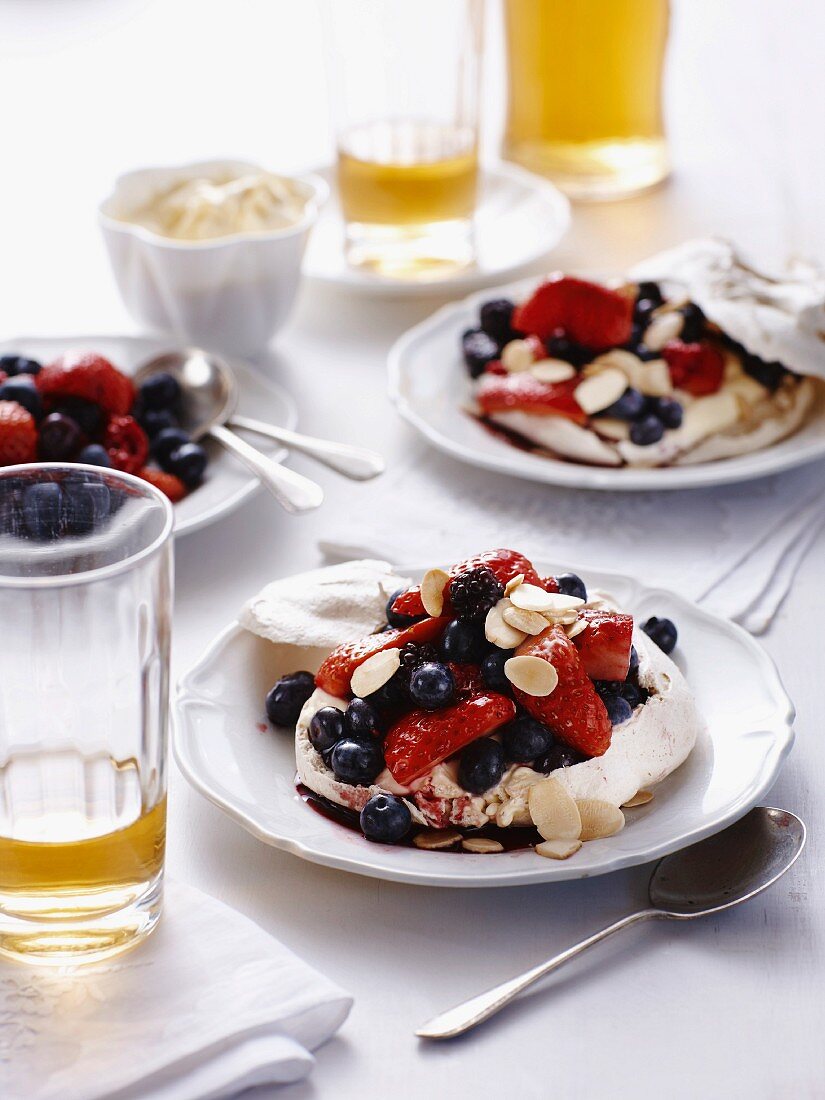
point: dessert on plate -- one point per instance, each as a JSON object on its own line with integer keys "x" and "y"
{"x": 695, "y": 357}
{"x": 81, "y": 408}
{"x": 485, "y": 708}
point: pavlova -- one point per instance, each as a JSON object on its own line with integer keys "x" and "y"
{"x": 695, "y": 357}
{"x": 485, "y": 704}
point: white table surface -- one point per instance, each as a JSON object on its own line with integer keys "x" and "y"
{"x": 726, "y": 1007}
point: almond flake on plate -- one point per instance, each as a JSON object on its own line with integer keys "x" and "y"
{"x": 654, "y": 379}
{"x": 598, "y": 392}
{"x": 513, "y": 584}
{"x": 574, "y": 629}
{"x": 558, "y": 604}
{"x": 599, "y": 819}
{"x": 432, "y": 591}
{"x": 517, "y": 356}
{"x": 433, "y": 839}
{"x": 481, "y": 844}
{"x": 528, "y": 621}
{"x": 533, "y": 675}
{"x": 375, "y": 672}
{"x": 640, "y": 798}
{"x": 552, "y": 370}
{"x": 554, "y": 812}
{"x": 558, "y": 849}
{"x": 529, "y": 597}
{"x": 498, "y": 631}
{"x": 662, "y": 330}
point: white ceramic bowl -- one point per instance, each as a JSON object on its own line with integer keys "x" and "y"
{"x": 229, "y": 294}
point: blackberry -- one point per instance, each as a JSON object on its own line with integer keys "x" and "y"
{"x": 472, "y": 594}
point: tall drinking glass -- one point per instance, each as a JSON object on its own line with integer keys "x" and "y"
{"x": 85, "y": 607}
{"x": 404, "y": 91}
{"x": 585, "y": 93}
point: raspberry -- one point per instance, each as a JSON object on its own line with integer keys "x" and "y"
{"x": 472, "y": 594}
{"x": 172, "y": 486}
{"x": 18, "y": 434}
{"x": 126, "y": 443}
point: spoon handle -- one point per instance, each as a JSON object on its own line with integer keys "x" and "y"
{"x": 473, "y": 1012}
{"x": 354, "y": 462}
{"x": 293, "y": 491}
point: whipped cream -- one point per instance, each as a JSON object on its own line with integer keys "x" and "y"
{"x": 204, "y": 208}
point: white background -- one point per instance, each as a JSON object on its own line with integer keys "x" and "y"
{"x": 729, "y": 1007}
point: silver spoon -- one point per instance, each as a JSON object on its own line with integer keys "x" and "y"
{"x": 210, "y": 396}
{"x": 710, "y": 876}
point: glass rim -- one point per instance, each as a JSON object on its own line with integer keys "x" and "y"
{"x": 104, "y": 572}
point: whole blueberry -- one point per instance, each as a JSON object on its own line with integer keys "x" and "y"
{"x": 496, "y": 319}
{"x": 479, "y": 349}
{"x": 188, "y": 463}
{"x": 19, "y": 364}
{"x": 561, "y": 347}
{"x": 357, "y": 762}
{"x": 94, "y": 455}
{"x": 650, "y": 290}
{"x": 326, "y": 728}
{"x": 571, "y": 585}
{"x": 463, "y": 643}
{"x": 386, "y": 819}
{"x": 60, "y": 438}
{"x": 361, "y": 720}
{"x": 669, "y": 411}
{"x": 285, "y": 700}
{"x": 23, "y": 390}
{"x": 693, "y": 326}
{"x": 492, "y": 670}
{"x": 86, "y": 506}
{"x": 630, "y": 405}
{"x": 632, "y": 693}
{"x": 160, "y": 391}
{"x": 559, "y": 756}
{"x": 618, "y": 709}
{"x": 524, "y": 739}
{"x": 155, "y": 420}
{"x": 432, "y": 685}
{"x": 166, "y": 442}
{"x": 643, "y": 309}
{"x": 43, "y": 510}
{"x": 393, "y": 617}
{"x": 481, "y": 765}
{"x": 88, "y": 416}
{"x": 646, "y": 431}
{"x": 661, "y": 631}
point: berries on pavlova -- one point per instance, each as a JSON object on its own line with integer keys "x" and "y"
{"x": 484, "y": 699}
{"x": 683, "y": 364}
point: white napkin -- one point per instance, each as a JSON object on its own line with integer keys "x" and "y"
{"x": 209, "y": 1005}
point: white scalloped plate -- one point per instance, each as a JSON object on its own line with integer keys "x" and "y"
{"x": 226, "y": 749}
{"x": 227, "y": 483}
{"x": 430, "y": 388}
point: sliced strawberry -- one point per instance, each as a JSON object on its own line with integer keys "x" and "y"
{"x": 335, "y": 673}
{"x": 573, "y": 711}
{"x": 527, "y": 394}
{"x": 588, "y": 313}
{"x": 604, "y": 647}
{"x": 18, "y": 434}
{"x": 422, "y": 739}
{"x": 495, "y": 366}
{"x": 697, "y": 368}
{"x": 506, "y": 564}
{"x": 90, "y": 376}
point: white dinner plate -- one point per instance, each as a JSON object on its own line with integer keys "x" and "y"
{"x": 227, "y": 484}
{"x": 228, "y": 751}
{"x": 430, "y": 388}
{"x": 520, "y": 218}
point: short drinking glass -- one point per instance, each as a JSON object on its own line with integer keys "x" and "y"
{"x": 404, "y": 90}
{"x": 85, "y": 606}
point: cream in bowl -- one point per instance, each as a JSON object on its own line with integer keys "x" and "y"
{"x": 210, "y": 253}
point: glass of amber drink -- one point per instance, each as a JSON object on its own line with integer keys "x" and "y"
{"x": 85, "y": 606}
{"x": 585, "y": 93}
{"x": 404, "y": 90}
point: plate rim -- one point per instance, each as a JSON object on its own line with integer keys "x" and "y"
{"x": 781, "y": 727}
{"x": 253, "y": 485}
{"x": 728, "y": 471}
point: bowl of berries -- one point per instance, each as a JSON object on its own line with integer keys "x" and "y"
{"x": 76, "y": 401}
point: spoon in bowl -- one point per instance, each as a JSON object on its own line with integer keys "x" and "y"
{"x": 715, "y": 874}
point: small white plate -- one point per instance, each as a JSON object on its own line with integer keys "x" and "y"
{"x": 227, "y": 750}
{"x": 227, "y": 483}
{"x": 431, "y": 389}
{"x": 520, "y": 218}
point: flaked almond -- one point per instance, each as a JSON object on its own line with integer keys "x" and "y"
{"x": 375, "y": 672}
{"x": 498, "y": 631}
{"x": 707, "y": 415}
{"x": 481, "y": 844}
{"x": 574, "y": 629}
{"x": 662, "y": 330}
{"x": 529, "y": 597}
{"x": 598, "y": 392}
{"x": 528, "y": 621}
{"x": 533, "y": 675}
{"x": 654, "y": 379}
{"x": 433, "y": 586}
{"x": 640, "y": 798}
{"x": 554, "y": 812}
{"x": 517, "y": 356}
{"x": 514, "y": 583}
{"x": 558, "y": 849}
{"x": 609, "y": 427}
{"x": 599, "y": 819}
{"x": 620, "y": 358}
{"x": 678, "y": 301}
{"x": 558, "y": 605}
{"x": 553, "y": 370}
{"x": 433, "y": 839}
